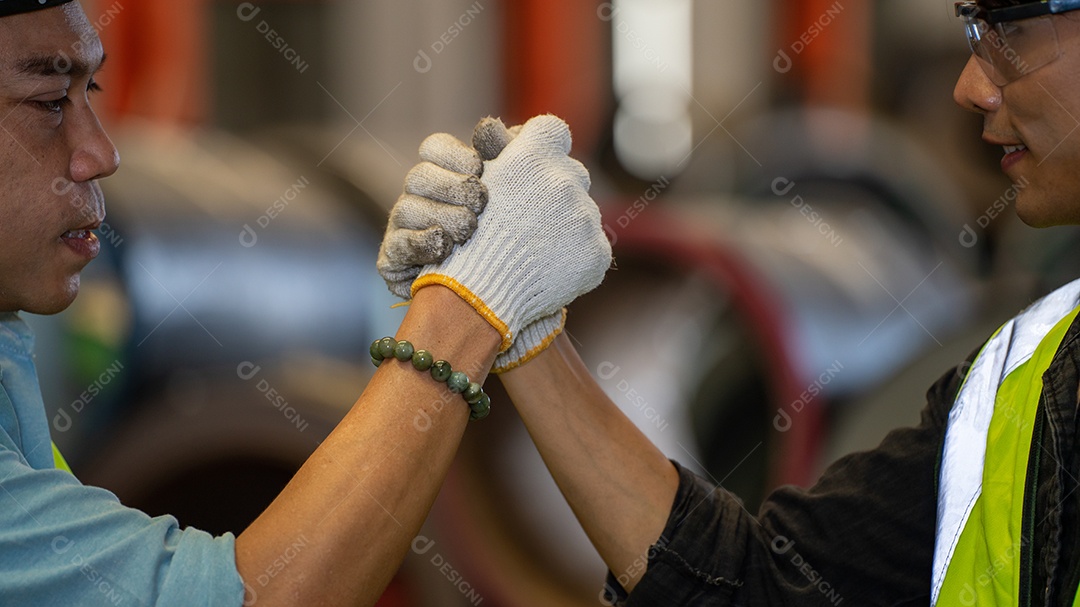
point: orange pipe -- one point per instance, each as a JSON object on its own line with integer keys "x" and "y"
{"x": 557, "y": 61}
{"x": 157, "y": 66}
{"x": 829, "y": 44}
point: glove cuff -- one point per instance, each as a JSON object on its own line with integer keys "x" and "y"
{"x": 470, "y": 298}
{"x": 531, "y": 341}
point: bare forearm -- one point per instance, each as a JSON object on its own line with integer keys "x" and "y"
{"x": 358, "y": 501}
{"x": 620, "y": 486}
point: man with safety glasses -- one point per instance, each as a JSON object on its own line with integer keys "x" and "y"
{"x": 978, "y": 505}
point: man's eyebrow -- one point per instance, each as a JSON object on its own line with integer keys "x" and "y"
{"x": 57, "y": 65}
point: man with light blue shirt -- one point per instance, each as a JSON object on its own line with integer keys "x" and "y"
{"x": 360, "y": 499}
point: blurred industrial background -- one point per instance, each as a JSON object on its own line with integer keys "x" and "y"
{"x": 807, "y": 233}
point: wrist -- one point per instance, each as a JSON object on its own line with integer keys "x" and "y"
{"x": 441, "y": 322}
{"x": 465, "y": 294}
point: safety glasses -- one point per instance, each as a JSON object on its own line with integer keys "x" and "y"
{"x": 1012, "y": 41}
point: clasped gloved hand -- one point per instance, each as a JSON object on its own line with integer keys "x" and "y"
{"x": 537, "y": 246}
{"x": 438, "y": 209}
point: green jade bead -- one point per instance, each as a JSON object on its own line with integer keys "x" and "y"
{"x": 422, "y": 360}
{"x": 458, "y": 382}
{"x": 403, "y": 351}
{"x": 441, "y": 371}
{"x": 481, "y": 409}
{"x": 376, "y": 357}
{"x": 386, "y": 347}
{"x": 473, "y": 393}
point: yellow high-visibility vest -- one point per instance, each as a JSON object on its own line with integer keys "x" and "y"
{"x": 61, "y": 463}
{"x": 984, "y": 466}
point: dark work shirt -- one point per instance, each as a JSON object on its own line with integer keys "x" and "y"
{"x": 863, "y": 535}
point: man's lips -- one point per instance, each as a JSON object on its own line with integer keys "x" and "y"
{"x": 1015, "y": 151}
{"x": 1013, "y": 155}
{"x": 83, "y": 241}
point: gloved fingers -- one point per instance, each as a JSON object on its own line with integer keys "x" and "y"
{"x": 546, "y": 130}
{"x": 432, "y": 181}
{"x": 404, "y": 252}
{"x": 580, "y": 172}
{"x": 401, "y": 288}
{"x": 419, "y": 213}
{"x": 490, "y": 137}
{"x": 452, "y": 154}
{"x": 391, "y": 272}
{"x": 398, "y": 277}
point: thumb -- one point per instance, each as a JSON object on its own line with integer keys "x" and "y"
{"x": 490, "y": 137}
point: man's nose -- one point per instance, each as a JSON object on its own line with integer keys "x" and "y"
{"x": 94, "y": 156}
{"x": 974, "y": 91}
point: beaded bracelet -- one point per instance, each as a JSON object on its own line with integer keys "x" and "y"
{"x": 422, "y": 360}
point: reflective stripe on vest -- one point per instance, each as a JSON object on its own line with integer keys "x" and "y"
{"x": 980, "y": 499}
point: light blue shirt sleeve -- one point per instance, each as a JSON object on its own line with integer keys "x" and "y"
{"x": 63, "y": 543}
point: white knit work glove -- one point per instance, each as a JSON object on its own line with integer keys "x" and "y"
{"x": 405, "y": 250}
{"x": 438, "y": 209}
{"x": 489, "y": 138}
{"x": 539, "y": 246}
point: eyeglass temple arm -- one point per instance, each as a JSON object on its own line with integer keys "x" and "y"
{"x": 1063, "y": 6}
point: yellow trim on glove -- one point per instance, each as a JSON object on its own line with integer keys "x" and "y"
{"x": 471, "y": 299}
{"x": 534, "y": 352}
